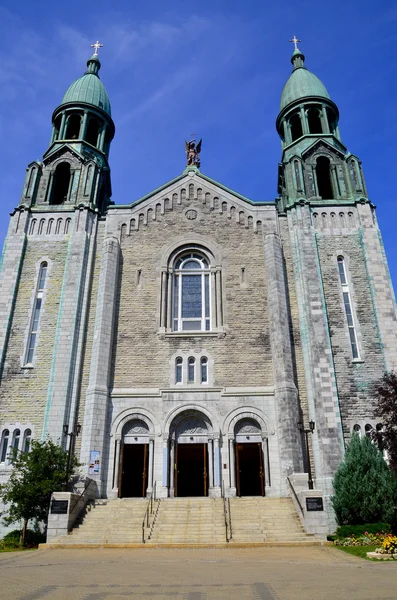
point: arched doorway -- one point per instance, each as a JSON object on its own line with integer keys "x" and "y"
{"x": 249, "y": 463}
{"x": 134, "y": 459}
{"x": 191, "y": 470}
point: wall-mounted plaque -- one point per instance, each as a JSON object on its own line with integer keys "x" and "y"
{"x": 313, "y": 503}
{"x": 59, "y": 507}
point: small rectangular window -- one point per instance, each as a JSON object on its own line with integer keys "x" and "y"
{"x": 191, "y": 368}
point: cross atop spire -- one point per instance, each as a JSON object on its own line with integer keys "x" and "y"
{"x": 295, "y": 41}
{"x": 96, "y": 46}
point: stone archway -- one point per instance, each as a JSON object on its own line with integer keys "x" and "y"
{"x": 191, "y": 450}
{"x": 249, "y": 459}
{"x": 134, "y": 434}
{"x": 247, "y": 433}
{"x": 134, "y": 459}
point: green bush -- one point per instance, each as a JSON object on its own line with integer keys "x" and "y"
{"x": 365, "y": 488}
{"x": 33, "y": 538}
{"x": 347, "y": 531}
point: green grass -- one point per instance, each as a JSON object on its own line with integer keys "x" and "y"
{"x": 13, "y": 549}
{"x": 360, "y": 551}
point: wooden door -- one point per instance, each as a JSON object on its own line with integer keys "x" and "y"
{"x": 236, "y": 453}
{"x": 261, "y": 472}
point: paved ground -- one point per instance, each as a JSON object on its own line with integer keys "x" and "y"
{"x": 318, "y": 573}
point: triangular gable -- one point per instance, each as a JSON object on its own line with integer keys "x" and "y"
{"x": 323, "y": 142}
{"x": 192, "y": 189}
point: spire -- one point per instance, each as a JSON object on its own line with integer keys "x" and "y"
{"x": 93, "y": 65}
{"x": 298, "y": 58}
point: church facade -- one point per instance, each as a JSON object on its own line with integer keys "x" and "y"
{"x": 189, "y": 331}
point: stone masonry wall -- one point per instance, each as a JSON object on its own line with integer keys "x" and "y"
{"x": 243, "y": 356}
{"x": 23, "y": 393}
{"x": 354, "y": 377}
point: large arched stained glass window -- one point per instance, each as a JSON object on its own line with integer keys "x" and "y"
{"x": 191, "y": 293}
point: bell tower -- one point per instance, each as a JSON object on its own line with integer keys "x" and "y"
{"x": 315, "y": 165}
{"x": 75, "y": 169}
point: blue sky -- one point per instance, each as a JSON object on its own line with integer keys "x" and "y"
{"x": 214, "y": 67}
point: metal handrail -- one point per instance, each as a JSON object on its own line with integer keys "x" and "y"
{"x": 295, "y": 495}
{"x": 87, "y": 485}
{"x": 230, "y": 520}
{"x": 226, "y": 512}
{"x": 149, "y": 511}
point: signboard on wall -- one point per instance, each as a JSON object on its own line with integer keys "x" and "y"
{"x": 94, "y": 462}
{"x": 59, "y": 507}
{"x": 313, "y": 503}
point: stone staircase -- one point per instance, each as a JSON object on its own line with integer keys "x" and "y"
{"x": 114, "y": 522}
{"x": 259, "y": 520}
{"x": 189, "y": 521}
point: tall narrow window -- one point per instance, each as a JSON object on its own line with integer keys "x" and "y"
{"x": 191, "y": 293}
{"x": 16, "y": 439}
{"x": 323, "y": 172}
{"x": 73, "y": 127}
{"x": 348, "y": 307}
{"x": 204, "y": 369}
{"x": 314, "y": 120}
{"x": 4, "y": 445}
{"x": 92, "y": 132}
{"x": 61, "y": 182}
{"x": 191, "y": 369}
{"x": 36, "y": 314}
{"x": 296, "y": 127}
{"x": 26, "y": 440}
{"x": 178, "y": 370}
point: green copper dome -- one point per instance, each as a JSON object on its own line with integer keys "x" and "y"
{"x": 301, "y": 83}
{"x": 89, "y": 89}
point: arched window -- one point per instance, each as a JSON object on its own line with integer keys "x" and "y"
{"x": 92, "y": 132}
{"x": 368, "y": 430}
{"x": 191, "y": 369}
{"x": 4, "y": 445}
{"x": 204, "y": 369}
{"x": 331, "y": 121}
{"x": 16, "y": 439}
{"x": 348, "y": 306}
{"x": 34, "y": 327}
{"x": 26, "y": 440}
{"x": 323, "y": 173}
{"x": 191, "y": 293}
{"x": 296, "y": 127}
{"x": 357, "y": 429}
{"x": 57, "y": 127}
{"x": 178, "y": 370}
{"x": 314, "y": 120}
{"x": 60, "y": 186}
{"x": 73, "y": 127}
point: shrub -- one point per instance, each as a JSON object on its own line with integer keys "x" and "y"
{"x": 32, "y": 539}
{"x": 346, "y": 531}
{"x": 389, "y": 545}
{"x": 365, "y": 488}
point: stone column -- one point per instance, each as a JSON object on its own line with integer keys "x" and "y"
{"x": 96, "y": 424}
{"x": 172, "y": 467}
{"x": 218, "y": 299}
{"x": 266, "y": 462}
{"x": 217, "y": 466}
{"x": 62, "y": 127}
{"x": 285, "y": 392}
{"x": 165, "y": 464}
{"x": 117, "y": 465}
{"x": 150, "y": 469}
{"x": 305, "y": 128}
{"x": 232, "y": 466}
{"x": 210, "y": 464}
{"x": 83, "y": 128}
{"x": 325, "y": 120}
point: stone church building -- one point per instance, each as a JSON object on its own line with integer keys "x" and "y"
{"x": 189, "y": 331}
